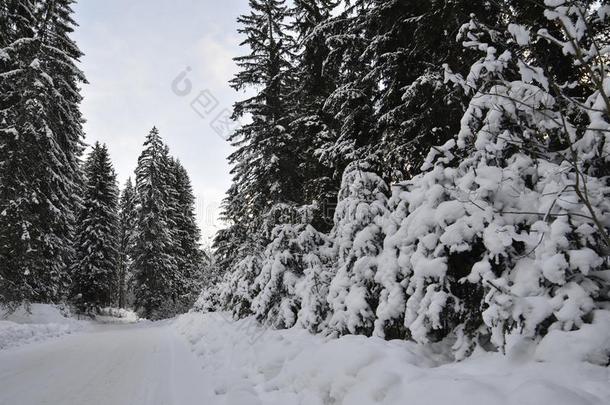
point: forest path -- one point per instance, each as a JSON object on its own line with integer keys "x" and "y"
{"x": 146, "y": 363}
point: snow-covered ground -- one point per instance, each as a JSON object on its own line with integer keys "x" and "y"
{"x": 119, "y": 364}
{"x": 41, "y": 322}
{"x": 245, "y": 364}
{"x": 213, "y": 360}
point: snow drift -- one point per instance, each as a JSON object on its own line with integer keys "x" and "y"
{"x": 39, "y": 323}
{"x": 245, "y": 363}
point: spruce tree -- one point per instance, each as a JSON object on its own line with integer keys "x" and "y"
{"x": 41, "y": 142}
{"x": 126, "y": 234}
{"x": 94, "y": 274}
{"x": 350, "y": 135}
{"x": 390, "y": 104}
{"x": 311, "y": 85}
{"x": 16, "y": 21}
{"x": 358, "y": 240}
{"x": 228, "y": 243}
{"x": 410, "y": 41}
{"x": 154, "y": 267}
{"x": 237, "y": 290}
{"x": 277, "y": 302}
{"x": 495, "y": 237}
{"x": 212, "y": 277}
{"x": 189, "y": 257}
{"x": 312, "y": 288}
{"x": 275, "y": 297}
{"x": 264, "y": 166}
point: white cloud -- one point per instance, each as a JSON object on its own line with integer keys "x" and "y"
{"x": 216, "y": 58}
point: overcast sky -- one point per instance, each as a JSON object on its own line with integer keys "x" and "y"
{"x": 134, "y": 52}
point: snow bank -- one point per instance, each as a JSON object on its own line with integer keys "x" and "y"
{"x": 246, "y": 364}
{"x": 38, "y": 313}
{"x": 41, "y": 323}
{"x": 116, "y": 315}
{"x": 590, "y": 343}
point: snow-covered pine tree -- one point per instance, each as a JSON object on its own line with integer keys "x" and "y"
{"x": 40, "y": 145}
{"x": 506, "y": 231}
{"x": 350, "y": 135}
{"x": 186, "y": 236}
{"x": 357, "y": 238}
{"x": 292, "y": 271}
{"x": 236, "y": 289}
{"x": 243, "y": 251}
{"x": 94, "y": 273}
{"x": 227, "y": 243}
{"x": 173, "y": 248}
{"x": 275, "y": 301}
{"x": 410, "y": 40}
{"x": 264, "y": 163}
{"x": 16, "y": 21}
{"x": 310, "y": 87}
{"x": 312, "y": 288}
{"x": 154, "y": 268}
{"x": 409, "y": 43}
{"x": 212, "y": 278}
{"x": 127, "y": 215}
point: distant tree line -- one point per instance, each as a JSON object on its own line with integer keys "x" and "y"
{"x": 64, "y": 232}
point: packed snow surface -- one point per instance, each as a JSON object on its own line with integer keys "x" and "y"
{"x": 211, "y": 359}
{"x": 108, "y": 364}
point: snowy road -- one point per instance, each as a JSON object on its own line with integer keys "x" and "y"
{"x": 110, "y": 365}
